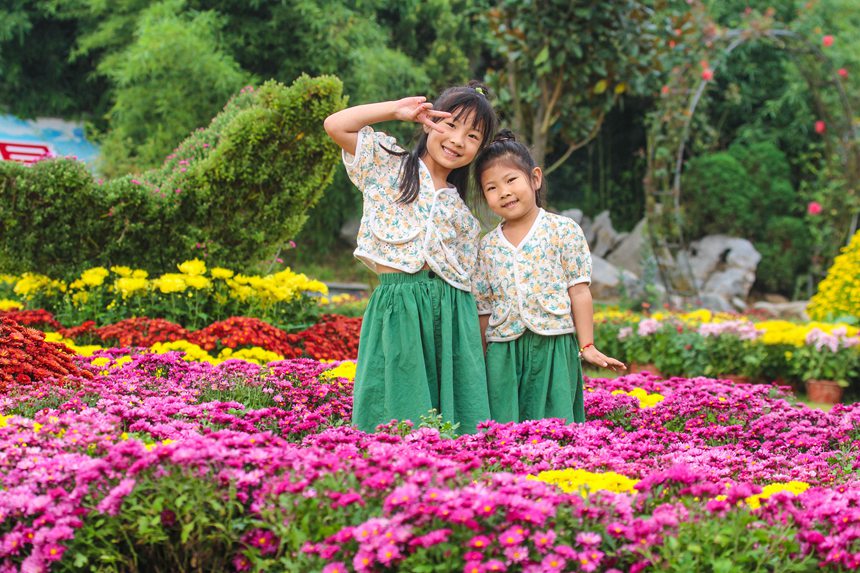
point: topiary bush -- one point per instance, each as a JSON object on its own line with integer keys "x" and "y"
{"x": 718, "y": 197}
{"x": 232, "y": 192}
{"x": 838, "y": 295}
{"x": 785, "y": 254}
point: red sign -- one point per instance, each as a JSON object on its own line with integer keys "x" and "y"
{"x": 23, "y": 152}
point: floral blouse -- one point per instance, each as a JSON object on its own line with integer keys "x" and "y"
{"x": 436, "y": 228}
{"x": 525, "y": 287}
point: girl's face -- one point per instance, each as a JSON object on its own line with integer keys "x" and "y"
{"x": 511, "y": 192}
{"x": 457, "y": 144}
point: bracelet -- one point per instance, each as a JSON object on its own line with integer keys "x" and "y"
{"x": 581, "y": 350}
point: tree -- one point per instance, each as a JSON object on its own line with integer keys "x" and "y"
{"x": 561, "y": 66}
{"x": 170, "y": 80}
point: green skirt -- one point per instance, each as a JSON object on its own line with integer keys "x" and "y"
{"x": 420, "y": 349}
{"x": 535, "y": 377}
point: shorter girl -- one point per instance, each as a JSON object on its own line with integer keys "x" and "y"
{"x": 532, "y": 289}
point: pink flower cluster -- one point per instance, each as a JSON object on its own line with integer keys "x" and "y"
{"x": 279, "y": 437}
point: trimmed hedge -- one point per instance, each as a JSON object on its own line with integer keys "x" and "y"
{"x": 233, "y": 192}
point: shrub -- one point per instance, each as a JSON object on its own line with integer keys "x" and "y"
{"x": 718, "y": 197}
{"x": 785, "y": 254}
{"x": 233, "y": 192}
{"x": 838, "y": 294}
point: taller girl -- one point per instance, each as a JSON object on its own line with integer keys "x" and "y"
{"x": 420, "y": 345}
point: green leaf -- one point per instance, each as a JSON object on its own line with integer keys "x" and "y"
{"x": 542, "y": 56}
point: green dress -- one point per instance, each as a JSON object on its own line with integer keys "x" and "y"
{"x": 420, "y": 349}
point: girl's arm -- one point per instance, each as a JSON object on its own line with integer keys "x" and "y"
{"x": 583, "y": 320}
{"x": 344, "y": 125}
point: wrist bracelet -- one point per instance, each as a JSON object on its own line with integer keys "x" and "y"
{"x": 586, "y": 346}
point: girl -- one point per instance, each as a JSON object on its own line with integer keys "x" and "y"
{"x": 534, "y": 272}
{"x": 419, "y": 346}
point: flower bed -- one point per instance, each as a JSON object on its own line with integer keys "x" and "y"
{"x": 701, "y": 343}
{"x": 243, "y": 467}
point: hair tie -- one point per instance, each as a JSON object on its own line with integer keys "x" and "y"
{"x": 480, "y": 90}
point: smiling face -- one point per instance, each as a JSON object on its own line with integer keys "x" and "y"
{"x": 511, "y": 192}
{"x": 457, "y": 144}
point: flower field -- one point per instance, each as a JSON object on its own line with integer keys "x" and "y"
{"x": 147, "y": 457}
{"x": 186, "y": 444}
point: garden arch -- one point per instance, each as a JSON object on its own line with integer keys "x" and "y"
{"x": 669, "y": 131}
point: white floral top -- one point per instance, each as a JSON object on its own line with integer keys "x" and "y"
{"x": 525, "y": 287}
{"x": 436, "y": 228}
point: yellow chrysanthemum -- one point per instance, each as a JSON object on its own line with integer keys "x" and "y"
{"x": 170, "y": 283}
{"x": 256, "y": 355}
{"x": 139, "y": 274}
{"x": 6, "y": 304}
{"x": 85, "y": 350}
{"x": 839, "y": 293}
{"x": 194, "y": 267}
{"x": 221, "y": 273}
{"x": 127, "y": 286}
{"x": 94, "y": 277}
{"x": 31, "y": 284}
{"x": 794, "y": 334}
{"x": 793, "y": 487}
{"x": 585, "y": 482}
{"x": 646, "y": 400}
{"x": 121, "y": 271}
{"x": 345, "y": 369}
{"x": 193, "y": 353}
{"x": 197, "y": 282}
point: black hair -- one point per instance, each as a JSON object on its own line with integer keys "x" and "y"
{"x": 505, "y": 147}
{"x": 461, "y": 101}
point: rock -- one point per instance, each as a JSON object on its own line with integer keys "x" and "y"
{"x": 575, "y": 214}
{"x": 349, "y": 230}
{"x": 724, "y": 269}
{"x": 714, "y": 302}
{"x": 776, "y": 298}
{"x": 795, "y": 309}
{"x": 603, "y": 238}
{"x": 609, "y": 282}
{"x": 629, "y": 252}
{"x": 730, "y": 283}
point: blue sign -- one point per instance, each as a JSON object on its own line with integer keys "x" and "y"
{"x": 28, "y": 140}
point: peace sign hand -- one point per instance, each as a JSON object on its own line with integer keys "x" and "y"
{"x": 419, "y": 110}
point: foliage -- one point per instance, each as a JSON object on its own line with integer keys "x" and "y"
{"x": 838, "y": 294}
{"x": 561, "y": 66}
{"x": 718, "y": 197}
{"x": 38, "y": 78}
{"x": 171, "y": 79}
{"x": 235, "y": 191}
{"x": 786, "y": 253}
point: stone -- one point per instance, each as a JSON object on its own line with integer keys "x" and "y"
{"x": 715, "y": 302}
{"x": 604, "y": 237}
{"x": 575, "y": 214}
{"x": 349, "y": 230}
{"x": 776, "y": 298}
{"x": 609, "y": 282}
{"x": 730, "y": 283}
{"x": 794, "y": 309}
{"x": 629, "y": 252}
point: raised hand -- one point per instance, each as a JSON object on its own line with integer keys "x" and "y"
{"x": 419, "y": 110}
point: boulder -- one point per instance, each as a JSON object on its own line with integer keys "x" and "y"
{"x": 609, "y": 282}
{"x": 602, "y": 237}
{"x": 349, "y": 230}
{"x": 787, "y": 310}
{"x": 629, "y": 252}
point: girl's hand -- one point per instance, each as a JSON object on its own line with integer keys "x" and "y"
{"x": 419, "y": 110}
{"x": 596, "y": 357}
